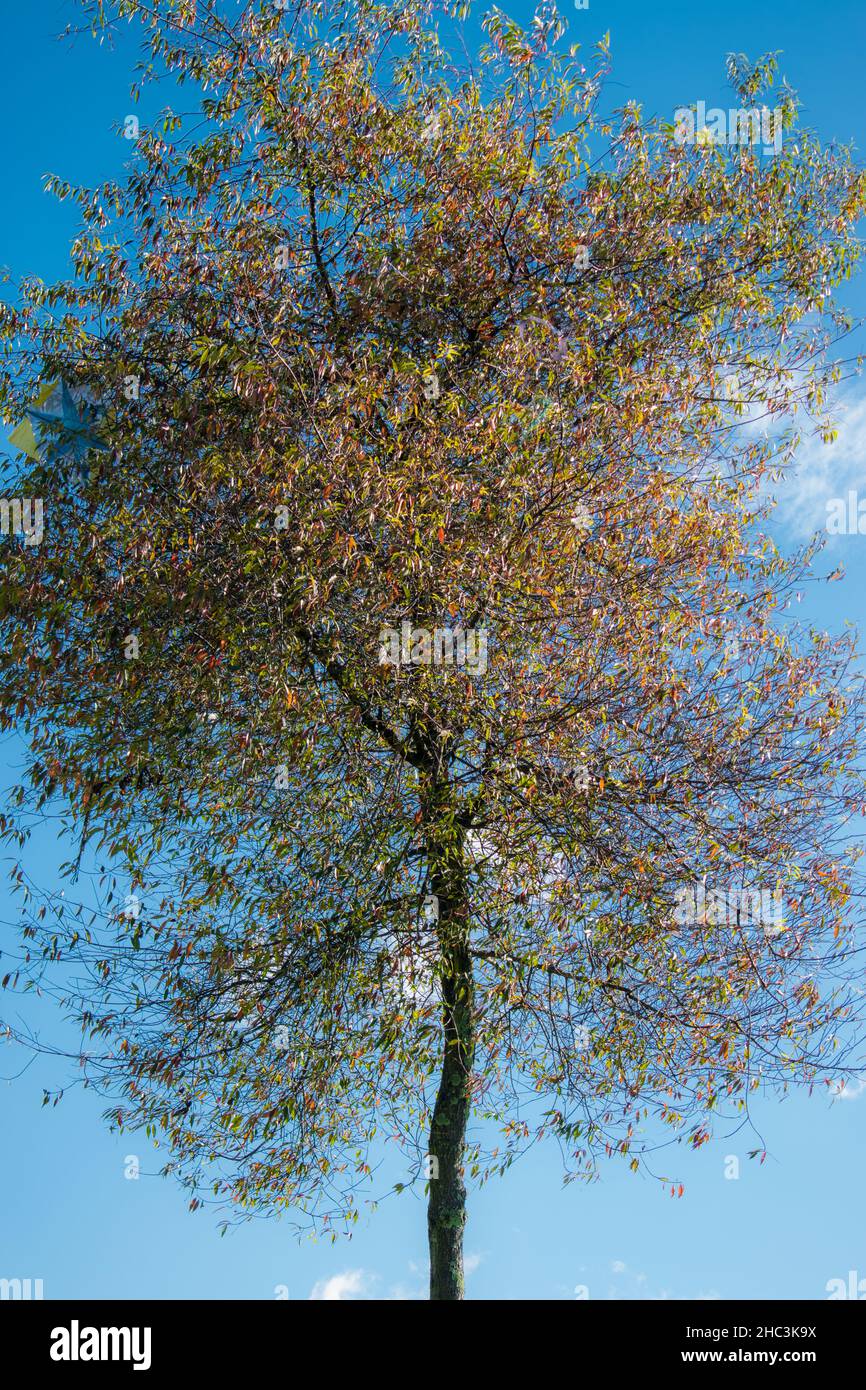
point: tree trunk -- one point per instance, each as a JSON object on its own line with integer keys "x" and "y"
{"x": 446, "y": 1203}
{"x": 446, "y": 1210}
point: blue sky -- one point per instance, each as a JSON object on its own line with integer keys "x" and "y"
{"x": 783, "y": 1228}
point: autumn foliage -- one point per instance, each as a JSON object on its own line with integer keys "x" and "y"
{"x": 378, "y": 341}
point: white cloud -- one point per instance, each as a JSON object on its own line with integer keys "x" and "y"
{"x": 352, "y": 1283}
{"x": 823, "y": 471}
{"x": 617, "y": 1267}
{"x": 471, "y": 1263}
{"x": 849, "y": 1090}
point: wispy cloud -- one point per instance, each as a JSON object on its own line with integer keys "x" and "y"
{"x": 849, "y": 1090}
{"x": 351, "y": 1284}
{"x": 823, "y": 471}
{"x": 401, "y": 1293}
{"x": 636, "y": 1287}
{"x": 362, "y": 1285}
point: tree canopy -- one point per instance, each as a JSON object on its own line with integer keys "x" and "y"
{"x": 372, "y": 355}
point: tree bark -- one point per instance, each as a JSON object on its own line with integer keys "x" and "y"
{"x": 446, "y": 1209}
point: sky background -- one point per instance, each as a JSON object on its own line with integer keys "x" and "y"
{"x": 784, "y": 1228}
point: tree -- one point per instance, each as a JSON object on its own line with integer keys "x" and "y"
{"x": 405, "y": 634}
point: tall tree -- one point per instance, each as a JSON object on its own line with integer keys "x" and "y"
{"x": 405, "y": 650}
